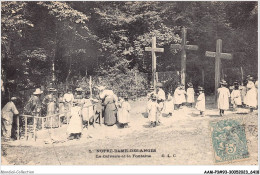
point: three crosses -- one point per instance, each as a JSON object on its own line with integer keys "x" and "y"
{"x": 218, "y": 55}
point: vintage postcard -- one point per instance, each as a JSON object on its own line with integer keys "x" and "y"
{"x": 129, "y": 83}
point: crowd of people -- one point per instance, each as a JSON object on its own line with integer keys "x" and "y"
{"x": 78, "y": 109}
{"x": 240, "y": 96}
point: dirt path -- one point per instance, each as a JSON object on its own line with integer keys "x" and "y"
{"x": 183, "y": 139}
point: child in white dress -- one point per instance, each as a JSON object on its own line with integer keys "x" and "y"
{"x": 124, "y": 114}
{"x": 152, "y": 108}
{"x": 169, "y": 105}
{"x": 223, "y": 97}
{"x": 190, "y": 95}
{"x": 236, "y": 96}
{"x": 201, "y": 101}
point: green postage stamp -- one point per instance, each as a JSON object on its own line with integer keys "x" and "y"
{"x": 228, "y": 140}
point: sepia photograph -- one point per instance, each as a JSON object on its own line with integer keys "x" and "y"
{"x": 129, "y": 83}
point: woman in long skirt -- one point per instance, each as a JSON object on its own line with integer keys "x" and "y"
{"x": 50, "y": 100}
{"x": 251, "y": 95}
{"x": 110, "y": 110}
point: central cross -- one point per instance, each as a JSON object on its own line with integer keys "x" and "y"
{"x": 154, "y": 49}
{"x": 183, "y": 47}
{"x": 218, "y": 55}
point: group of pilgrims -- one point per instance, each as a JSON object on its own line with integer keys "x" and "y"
{"x": 244, "y": 95}
{"x": 75, "y": 110}
{"x": 79, "y": 108}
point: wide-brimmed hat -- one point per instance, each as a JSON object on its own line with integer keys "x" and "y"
{"x": 200, "y": 88}
{"x": 190, "y": 84}
{"x": 52, "y": 90}
{"x": 250, "y": 78}
{"x": 101, "y": 88}
{"x": 13, "y": 98}
{"x": 236, "y": 83}
{"x": 38, "y": 91}
{"x": 223, "y": 82}
{"x": 159, "y": 84}
{"x": 79, "y": 89}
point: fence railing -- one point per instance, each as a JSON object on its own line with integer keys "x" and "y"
{"x": 97, "y": 115}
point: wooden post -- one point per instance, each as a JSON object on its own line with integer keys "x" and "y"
{"x": 42, "y": 123}
{"x": 183, "y": 57}
{"x": 153, "y": 49}
{"x": 94, "y": 119}
{"x": 100, "y": 116}
{"x": 242, "y": 74}
{"x": 183, "y": 48}
{"x": 18, "y": 128}
{"x": 26, "y": 137}
{"x": 218, "y": 55}
{"x": 222, "y": 73}
{"x": 34, "y": 128}
{"x": 90, "y": 86}
{"x": 59, "y": 121}
{"x": 203, "y": 77}
{"x": 51, "y": 122}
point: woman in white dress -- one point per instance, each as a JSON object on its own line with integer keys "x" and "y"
{"x": 251, "y": 95}
{"x": 75, "y": 126}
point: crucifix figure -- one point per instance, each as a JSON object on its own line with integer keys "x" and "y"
{"x": 218, "y": 55}
{"x": 153, "y": 49}
{"x": 183, "y": 48}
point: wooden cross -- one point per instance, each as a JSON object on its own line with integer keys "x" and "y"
{"x": 183, "y": 48}
{"x": 218, "y": 55}
{"x": 153, "y": 49}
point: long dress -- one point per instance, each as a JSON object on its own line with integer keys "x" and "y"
{"x": 51, "y": 109}
{"x": 223, "y": 98}
{"x": 200, "y": 105}
{"x": 190, "y": 95}
{"x": 251, "y": 95}
{"x": 7, "y": 114}
{"x": 169, "y": 105}
{"x": 236, "y": 97}
{"x": 75, "y": 126}
{"x": 124, "y": 115}
{"x": 110, "y": 110}
{"x": 152, "y": 111}
{"x": 178, "y": 96}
